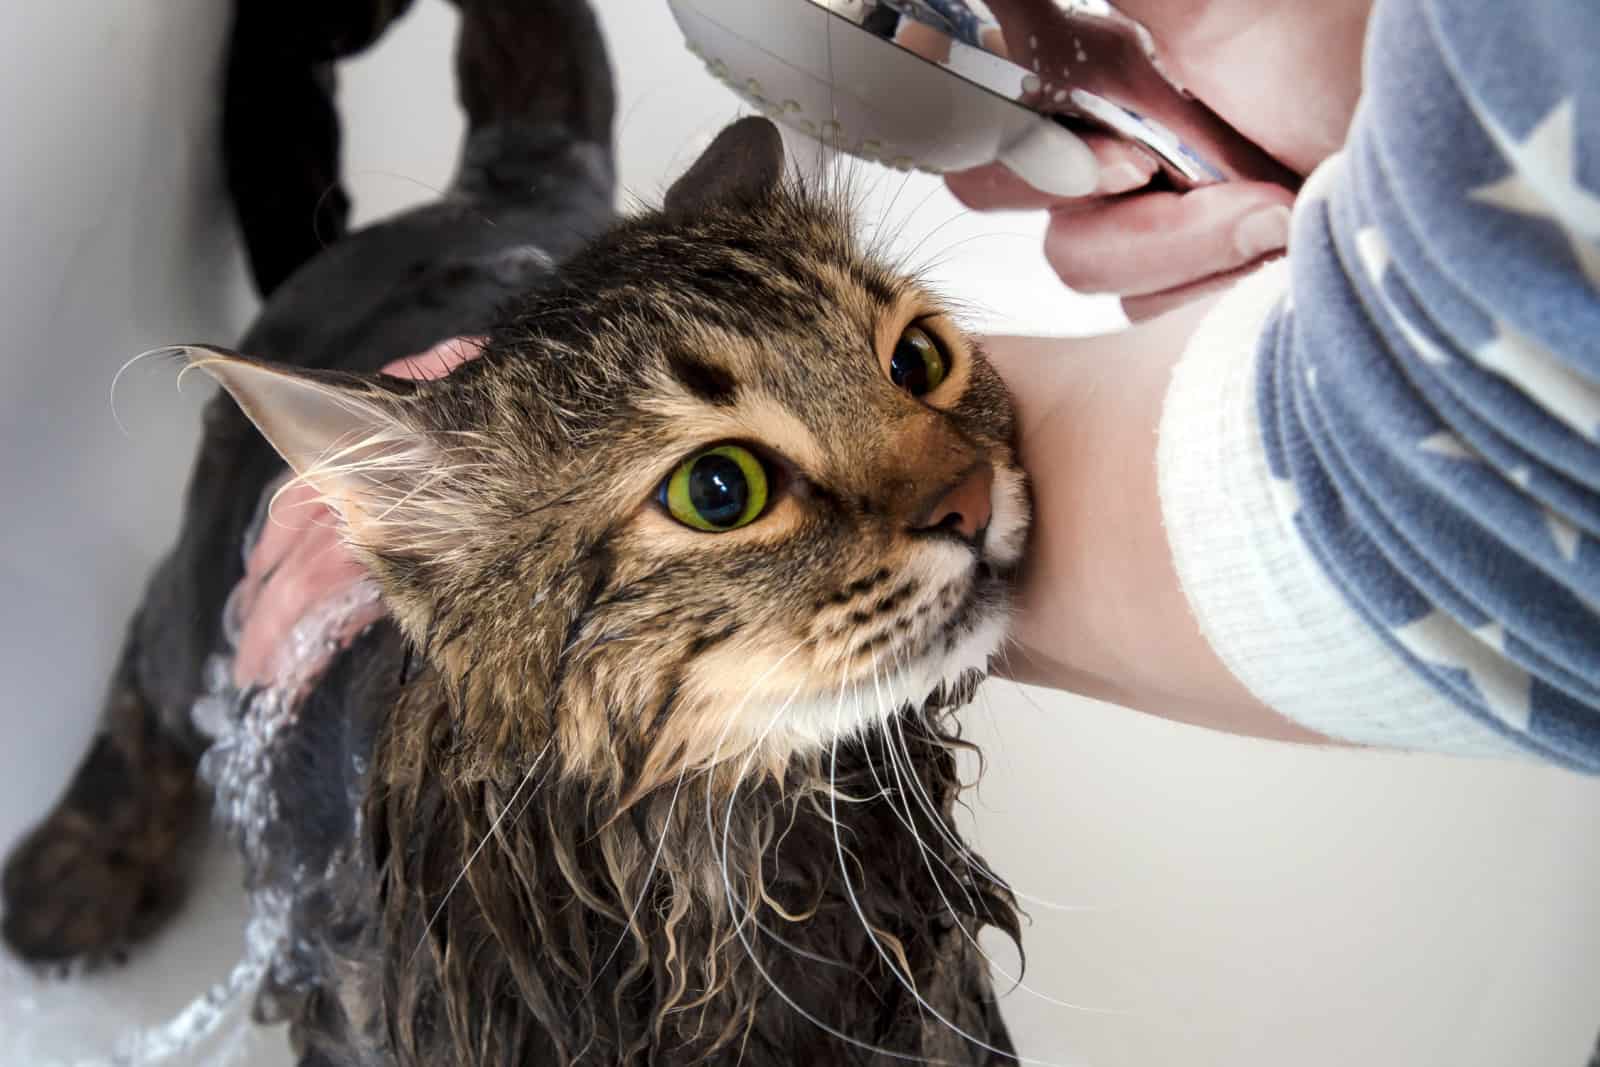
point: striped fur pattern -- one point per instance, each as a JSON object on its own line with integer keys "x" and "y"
{"x": 651, "y": 794}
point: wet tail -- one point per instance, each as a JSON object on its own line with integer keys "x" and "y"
{"x": 532, "y": 76}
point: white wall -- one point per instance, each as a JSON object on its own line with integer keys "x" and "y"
{"x": 1243, "y": 904}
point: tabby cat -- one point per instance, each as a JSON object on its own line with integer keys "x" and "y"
{"x": 649, "y": 758}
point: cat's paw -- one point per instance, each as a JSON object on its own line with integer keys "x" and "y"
{"x": 102, "y": 871}
{"x": 72, "y": 896}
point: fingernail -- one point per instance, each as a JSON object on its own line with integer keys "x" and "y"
{"x": 1261, "y": 233}
{"x": 1120, "y": 177}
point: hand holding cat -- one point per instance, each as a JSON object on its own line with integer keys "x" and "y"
{"x": 300, "y": 561}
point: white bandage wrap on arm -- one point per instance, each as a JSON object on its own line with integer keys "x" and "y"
{"x": 1259, "y": 597}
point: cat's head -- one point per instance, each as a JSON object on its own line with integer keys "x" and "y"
{"x": 728, "y": 485}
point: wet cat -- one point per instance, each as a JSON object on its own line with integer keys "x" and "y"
{"x": 648, "y": 756}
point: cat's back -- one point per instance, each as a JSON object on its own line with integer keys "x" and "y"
{"x": 440, "y": 270}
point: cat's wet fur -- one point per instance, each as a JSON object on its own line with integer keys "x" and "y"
{"x": 604, "y": 787}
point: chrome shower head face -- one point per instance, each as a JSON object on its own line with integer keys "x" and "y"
{"x": 932, "y": 85}
{"x": 819, "y": 69}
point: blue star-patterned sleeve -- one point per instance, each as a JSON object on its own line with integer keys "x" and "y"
{"x": 952, "y": 16}
{"x": 1433, "y": 388}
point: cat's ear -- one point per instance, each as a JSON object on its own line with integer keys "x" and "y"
{"x": 744, "y": 164}
{"x": 345, "y": 436}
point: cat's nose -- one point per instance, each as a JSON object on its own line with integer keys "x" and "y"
{"x": 963, "y": 507}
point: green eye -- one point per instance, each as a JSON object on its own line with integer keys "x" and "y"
{"x": 720, "y": 489}
{"x": 918, "y": 364}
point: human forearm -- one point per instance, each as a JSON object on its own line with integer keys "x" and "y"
{"x": 1101, "y": 610}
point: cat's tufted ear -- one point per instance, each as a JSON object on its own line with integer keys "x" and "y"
{"x": 743, "y": 164}
{"x": 345, "y": 436}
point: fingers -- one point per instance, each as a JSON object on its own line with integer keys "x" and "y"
{"x": 315, "y": 567}
{"x": 994, "y": 188}
{"x": 1140, "y": 308}
{"x": 301, "y": 557}
{"x": 1156, "y": 249}
{"x": 1160, "y": 243}
{"x": 438, "y": 361}
{"x": 1122, "y": 168}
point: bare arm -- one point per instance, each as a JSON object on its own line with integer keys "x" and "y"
{"x": 1101, "y": 610}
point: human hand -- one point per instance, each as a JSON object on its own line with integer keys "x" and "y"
{"x": 301, "y": 561}
{"x": 1283, "y": 73}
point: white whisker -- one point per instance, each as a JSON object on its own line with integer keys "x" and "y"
{"x": 928, "y": 859}
{"x": 782, "y": 994}
{"x": 855, "y": 904}
{"x": 644, "y": 886}
{"x": 978, "y": 865}
{"x": 495, "y": 825}
{"x": 117, "y": 377}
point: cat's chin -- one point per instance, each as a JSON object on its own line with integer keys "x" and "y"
{"x": 942, "y": 670}
{"x": 943, "y": 676}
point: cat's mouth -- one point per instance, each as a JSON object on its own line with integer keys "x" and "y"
{"x": 924, "y": 623}
{"x": 901, "y": 639}
{"x": 986, "y": 594}
{"x": 952, "y": 622}
{"x": 950, "y": 634}
{"x": 937, "y": 641}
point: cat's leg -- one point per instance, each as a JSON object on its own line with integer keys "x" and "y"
{"x": 534, "y": 80}
{"x": 280, "y": 129}
{"x": 534, "y": 61}
{"x": 104, "y": 868}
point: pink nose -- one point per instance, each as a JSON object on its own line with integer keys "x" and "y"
{"x": 962, "y": 508}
